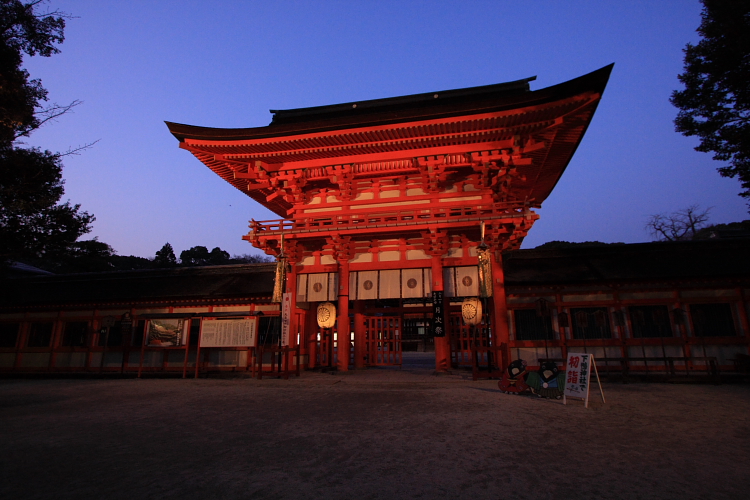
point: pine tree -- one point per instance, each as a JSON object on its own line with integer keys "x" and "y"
{"x": 165, "y": 257}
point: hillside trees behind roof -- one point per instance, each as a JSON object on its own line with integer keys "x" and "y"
{"x": 33, "y": 222}
{"x": 715, "y": 103}
{"x": 200, "y": 256}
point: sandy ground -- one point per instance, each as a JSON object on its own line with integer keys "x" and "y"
{"x": 379, "y": 433}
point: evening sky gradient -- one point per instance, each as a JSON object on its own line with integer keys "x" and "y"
{"x": 135, "y": 64}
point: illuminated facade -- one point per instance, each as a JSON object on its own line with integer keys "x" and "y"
{"x": 382, "y": 201}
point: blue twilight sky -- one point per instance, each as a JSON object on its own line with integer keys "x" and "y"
{"x": 136, "y": 63}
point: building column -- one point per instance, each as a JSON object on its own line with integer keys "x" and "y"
{"x": 342, "y": 253}
{"x": 501, "y": 328}
{"x": 436, "y": 245}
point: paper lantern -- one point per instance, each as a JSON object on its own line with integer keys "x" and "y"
{"x": 326, "y": 315}
{"x": 471, "y": 310}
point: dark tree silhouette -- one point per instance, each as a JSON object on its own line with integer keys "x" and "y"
{"x": 33, "y": 222}
{"x": 677, "y": 226}
{"x": 195, "y": 256}
{"x": 715, "y": 104}
{"x": 165, "y": 257}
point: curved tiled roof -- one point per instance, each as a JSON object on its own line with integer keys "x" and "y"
{"x": 460, "y": 121}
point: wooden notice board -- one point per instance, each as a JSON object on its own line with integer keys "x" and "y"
{"x": 228, "y": 333}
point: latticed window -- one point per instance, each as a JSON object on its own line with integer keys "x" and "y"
{"x": 591, "y": 323}
{"x": 40, "y": 334}
{"x": 530, "y": 325}
{"x": 269, "y": 330}
{"x": 9, "y": 334}
{"x": 113, "y": 337}
{"x": 712, "y": 320}
{"x": 74, "y": 334}
{"x": 650, "y": 321}
{"x": 138, "y": 333}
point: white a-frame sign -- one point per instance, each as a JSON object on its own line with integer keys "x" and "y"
{"x": 578, "y": 377}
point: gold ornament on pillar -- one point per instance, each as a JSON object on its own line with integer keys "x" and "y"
{"x": 484, "y": 256}
{"x": 278, "y": 285}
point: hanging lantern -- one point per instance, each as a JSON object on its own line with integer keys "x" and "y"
{"x": 326, "y": 315}
{"x": 471, "y": 310}
{"x": 542, "y": 307}
{"x": 280, "y": 279}
{"x": 484, "y": 258}
{"x": 278, "y": 285}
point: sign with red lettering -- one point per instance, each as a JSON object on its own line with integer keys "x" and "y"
{"x": 578, "y": 377}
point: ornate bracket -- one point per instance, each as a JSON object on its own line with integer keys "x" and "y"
{"x": 342, "y": 247}
{"x": 435, "y": 242}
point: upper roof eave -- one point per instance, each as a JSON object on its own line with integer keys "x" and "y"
{"x": 417, "y": 107}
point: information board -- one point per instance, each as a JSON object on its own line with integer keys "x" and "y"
{"x": 438, "y": 318}
{"x": 286, "y": 317}
{"x": 578, "y": 377}
{"x": 228, "y": 332}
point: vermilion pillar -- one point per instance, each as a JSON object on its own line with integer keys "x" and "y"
{"x": 344, "y": 329}
{"x": 442, "y": 344}
{"x": 501, "y": 328}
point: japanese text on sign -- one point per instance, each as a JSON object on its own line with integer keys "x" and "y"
{"x": 577, "y": 375}
{"x": 438, "y": 318}
{"x": 286, "y": 317}
{"x": 228, "y": 333}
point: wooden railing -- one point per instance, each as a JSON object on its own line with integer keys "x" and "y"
{"x": 399, "y": 218}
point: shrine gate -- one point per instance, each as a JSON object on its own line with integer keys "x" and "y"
{"x": 381, "y": 204}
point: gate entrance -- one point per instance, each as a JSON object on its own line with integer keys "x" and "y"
{"x": 466, "y": 341}
{"x": 322, "y": 355}
{"x": 383, "y": 340}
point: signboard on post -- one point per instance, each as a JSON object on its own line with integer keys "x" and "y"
{"x": 286, "y": 317}
{"x": 228, "y": 333}
{"x": 438, "y": 316}
{"x": 578, "y": 377}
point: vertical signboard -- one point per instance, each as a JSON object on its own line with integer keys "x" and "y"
{"x": 578, "y": 377}
{"x": 286, "y": 318}
{"x": 438, "y": 315}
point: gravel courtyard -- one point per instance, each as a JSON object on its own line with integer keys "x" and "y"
{"x": 379, "y": 433}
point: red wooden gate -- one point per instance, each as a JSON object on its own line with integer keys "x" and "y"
{"x": 324, "y": 348}
{"x": 383, "y": 340}
{"x": 463, "y": 337}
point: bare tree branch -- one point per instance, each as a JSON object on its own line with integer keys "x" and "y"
{"x": 677, "y": 226}
{"x": 77, "y": 150}
{"x": 47, "y": 114}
